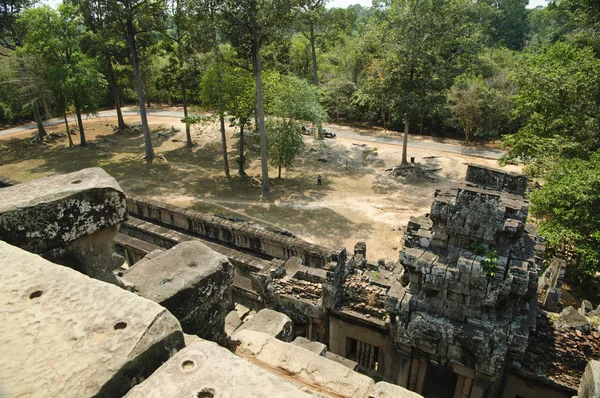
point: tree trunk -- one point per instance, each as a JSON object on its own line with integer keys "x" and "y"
{"x": 45, "y": 104}
{"x": 38, "y": 121}
{"x": 140, "y": 90}
{"x": 314, "y": 53}
{"x": 405, "y": 141}
{"x": 188, "y": 135}
{"x": 115, "y": 93}
{"x": 220, "y": 99}
{"x": 68, "y": 131}
{"x": 242, "y": 157}
{"x": 260, "y": 111}
{"x": 80, "y": 124}
{"x": 383, "y": 114}
{"x": 279, "y": 173}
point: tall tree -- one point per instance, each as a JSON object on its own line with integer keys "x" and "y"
{"x": 248, "y": 24}
{"x": 559, "y": 105}
{"x": 186, "y": 36}
{"x": 291, "y": 101}
{"x": 309, "y": 17}
{"x": 506, "y": 23}
{"x": 55, "y": 37}
{"x": 567, "y": 206}
{"x": 238, "y": 97}
{"x": 134, "y": 18}
{"x": 429, "y": 43}
{"x": 103, "y": 41}
{"x": 10, "y": 39}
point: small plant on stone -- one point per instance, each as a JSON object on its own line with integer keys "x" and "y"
{"x": 490, "y": 263}
{"x": 477, "y": 249}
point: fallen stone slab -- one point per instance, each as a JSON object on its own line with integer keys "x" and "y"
{"x": 388, "y": 390}
{"x": 350, "y": 364}
{"x": 303, "y": 365}
{"x": 270, "y": 322}
{"x": 590, "y": 381}
{"x": 192, "y": 281}
{"x": 64, "y": 334}
{"x": 207, "y": 370}
{"x": 571, "y": 318}
{"x": 312, "y": 346}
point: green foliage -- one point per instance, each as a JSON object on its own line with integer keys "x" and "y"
{"x": 559, "y": 105}
{"x": 490, "y": 263}
{"x": 477, "y": 249}
{"x": 567, "y": 206}
{"x": 291, "y": 101}
{"x": 284, "y": 142}
{"x": 55, "y": 37}
{"x": 482, "y": 106}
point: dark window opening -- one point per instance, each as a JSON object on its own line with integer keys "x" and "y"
{"x": 366, "y": 355}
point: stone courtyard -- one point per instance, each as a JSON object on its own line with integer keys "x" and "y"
{"x": 108, "y": 294}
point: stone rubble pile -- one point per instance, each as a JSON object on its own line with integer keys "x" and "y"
{"x": 300, "y": 289}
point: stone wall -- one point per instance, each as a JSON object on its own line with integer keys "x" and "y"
{"x": 496, "y": 179}
{"x": 237, "y": 234}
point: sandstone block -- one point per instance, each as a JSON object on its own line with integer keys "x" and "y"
{"x": 65, "y": 335}
{"x": 303, "y": 365}
{"x": 207, "y": 370}
{"x": 270, "y": 322}
{"x": 51, "y": 212}
{"x": 312, "y": 346}
{"x": 190, "y": 280}
{"x": 388, "y": 390}
{"x": 590, "y": 381}
{"x": 570, "y": 318}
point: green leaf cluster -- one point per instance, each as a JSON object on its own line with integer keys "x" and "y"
{"x": 568, "y": 206}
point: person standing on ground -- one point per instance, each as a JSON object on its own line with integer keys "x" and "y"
{"x": 319, "y": 180}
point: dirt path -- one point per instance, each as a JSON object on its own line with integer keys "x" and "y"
{"x": 359, "y": 201}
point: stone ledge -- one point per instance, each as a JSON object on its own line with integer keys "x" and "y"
{"x": 310, "y": 369}
{"x": 64, "y": 334}
{"x": 204, "y": 369}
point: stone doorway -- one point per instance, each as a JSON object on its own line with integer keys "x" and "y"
{"x": 440, "y": 382}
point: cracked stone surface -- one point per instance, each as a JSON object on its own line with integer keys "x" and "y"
{"x": 64, "y": 334}
{"x": 205, "y": 369}
{"x": 50, "y": 212}
{"x": 303, "y": 365}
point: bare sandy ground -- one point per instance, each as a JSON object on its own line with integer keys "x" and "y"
{"x": 359, "y": 201}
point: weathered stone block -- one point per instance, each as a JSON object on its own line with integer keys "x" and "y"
{"x": 65, "y": 335}
{"x": 190, "y": 280}
{"x": 303, "y": 365}
{"x": 51, "y": 212}
{"x": 387, "y": 390}
{"x": 270, "y": 322}
{"x": 312, "y": 346}
{"x": 570, "y": 318}
{"x": 590, "y": 381}
{"x": 205, "y": 370}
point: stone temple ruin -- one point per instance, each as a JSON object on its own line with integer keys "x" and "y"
{"x": 107, "y": 294}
